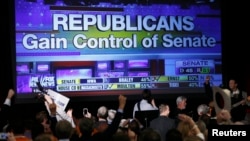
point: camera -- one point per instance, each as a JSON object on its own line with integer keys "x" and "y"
{"x": 3, "y": 136}
{"x": 85, "y": 111}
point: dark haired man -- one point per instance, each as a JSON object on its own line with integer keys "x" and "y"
{"x": 239, "y": 99}
{"x": 163, "y": 123}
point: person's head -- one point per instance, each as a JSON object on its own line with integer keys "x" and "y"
{"x": 86, "y": 126}
{"x": 46, "y": 137}
{"x": 63, "y": 129}
{"x": 181, "y": 102}
{"x": 164, "y": 109}
{"x": 77, "y": 114}
{"x": 223, "y": 117}
{"x": 133, "y": 129}
{"x": 120, "y": 136}
{"x": 111, "y": 115}
{"x": 42, "y": 118}
{"x": 146, "y": 94}
{"x": 17, "y": 126}
{"x": 184, "y": 127}
{"x": 37, "y": 129}
{"x": 202, "y": 109}
{"x": 149, "y": 134}
{"x": 174, "y": 135}
{"x": 233, "y": 84}
{"x": 102, "y": 112}
{"x": 202, "y": 126}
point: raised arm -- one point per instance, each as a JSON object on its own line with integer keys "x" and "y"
{"x": 5, "y": 108}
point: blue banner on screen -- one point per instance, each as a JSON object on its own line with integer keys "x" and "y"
{"x": 104, "y": 47}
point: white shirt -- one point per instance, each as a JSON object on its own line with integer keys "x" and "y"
{"x": 144, "y": 106}
{"x": 7, "y": 102}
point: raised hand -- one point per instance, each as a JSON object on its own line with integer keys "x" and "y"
{"x": 11, "y": 93}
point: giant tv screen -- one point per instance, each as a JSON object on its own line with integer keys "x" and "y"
{"x": 105, "y": 48}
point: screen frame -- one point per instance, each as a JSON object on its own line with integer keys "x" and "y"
{"x": 138, "y": 91}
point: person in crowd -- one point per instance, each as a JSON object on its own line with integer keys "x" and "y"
{"x": 101, "y": 124}
{"x": 247, "y": 117}
{"x": 204, "y": 114}
{"x": 188, "y": 127}
{"x": 203, "y": 109}
{"x": 77, "y": 115}
{"x": 208, "y": 90}
{"x": 102, "y": 113}
{"x": 85, "y": 125}
{"x": 36, "y": 130}
{"x": 43, "y": 118}
{"x": 63, "y": 130}
{"x": 192, "y": 138}
{"x": 16, "y": 129}
{"x": 239, "y": 99}
{"x": 5, "y": 110}
{"x": 134, "y": 130}
{"x": 173, "y": 135}
{"x": 163, "y": 123}
{"x": 149, "y": 134}
{"x": 209, "y": 93}
{"x": 59, "y": 113}
{"x": 107, "y": 134}
{"x": 120, "y": 136}
{"x": 181, "y": 102}
{"x": 146, "y": 103}
{"x": 203, "y": 128}
{"x": 45, "y": 137}
{"x": 123, "y": 126}
{"x": 111, "y": 115}
{"x": 224, "y": 118}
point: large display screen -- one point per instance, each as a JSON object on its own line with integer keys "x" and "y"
{"x": 107, "y": 48}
